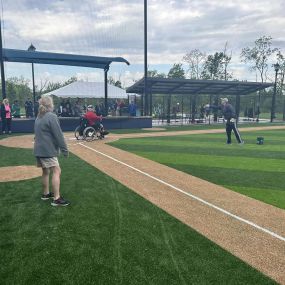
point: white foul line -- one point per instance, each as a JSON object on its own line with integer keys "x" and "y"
{"x": 192, "y": 196}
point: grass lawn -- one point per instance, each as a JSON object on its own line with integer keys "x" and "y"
{"x": 253, "y": 170}
{"x": 186, "y": 127}
{"x": 108, "y": 235}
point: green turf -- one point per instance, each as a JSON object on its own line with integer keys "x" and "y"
{"x": 186, "y": 127}
{"x": 108, "y": 235}
{"x": 253, "y": 170}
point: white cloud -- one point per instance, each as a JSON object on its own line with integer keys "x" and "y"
{"x": 115, "y": 28}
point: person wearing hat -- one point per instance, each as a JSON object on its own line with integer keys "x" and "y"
{"x": 94, "y": 120}
{"x": 230, "y": 118}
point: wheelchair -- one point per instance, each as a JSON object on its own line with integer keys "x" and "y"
{"x": 88, "y": 133}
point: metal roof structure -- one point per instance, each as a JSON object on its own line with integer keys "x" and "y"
{"x": 194, "y": 86}
{"x": 14, "y": 55}
{"x": 33, "y": 56}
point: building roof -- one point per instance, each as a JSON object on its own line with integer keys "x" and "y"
{"x": 81, "y": 89}
{"x": 194, "y": 86}
{"x": 14, "y": 55}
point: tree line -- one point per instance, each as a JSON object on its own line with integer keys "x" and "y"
{"x": 216, "y": 66}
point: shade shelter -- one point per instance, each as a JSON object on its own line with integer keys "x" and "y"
{"x": 14, "y": 55}
{"x": 81, "y": 89}
{"x": 194, "y": 87}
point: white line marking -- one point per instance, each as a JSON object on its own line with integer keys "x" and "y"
{"x": 192, "y": 196}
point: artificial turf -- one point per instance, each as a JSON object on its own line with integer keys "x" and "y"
{"x": 190, "y": 127}
{"x": 108, "y": 235}
{"x": 253, "y": 170}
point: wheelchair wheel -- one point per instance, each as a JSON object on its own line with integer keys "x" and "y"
{"x": 89, "y": 134}
{"x": 77, "y": 133}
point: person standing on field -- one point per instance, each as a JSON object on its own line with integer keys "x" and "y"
{"x": 49, "y": 143}
{"x": 6, "y": 116}
{"x": 230, "y": 118}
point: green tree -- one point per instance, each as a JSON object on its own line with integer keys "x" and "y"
{"x": 226, "y": 61}
{"x": 18, "y": 89}
{"x": 258, "y": 55}
{"x": 195, "y": 59}
{"x": 154, "y": 73}
{"x": 176, "y": 71}
{"x": 213, "y": 66}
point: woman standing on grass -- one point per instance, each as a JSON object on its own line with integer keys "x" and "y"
{"x": 49, "y": 142}
{"x": 6, "y": 117}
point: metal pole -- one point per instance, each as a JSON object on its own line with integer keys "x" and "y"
{"x": 237, "y": 107}
{"x": 145, "y": 60}
{"x": 150, "y": 102}
{"x": 34, "y": 90}
{"x": 3, "y": 84}
{"x": 106, "y": 90}
{"x": 283, "y": 109}
{"x": 182, "y": 108}
{"x": 274, "y": 98}
{"x": 168, "y": 108}
{"x": 32, "y": 49}
{"x": 258, "y": 106}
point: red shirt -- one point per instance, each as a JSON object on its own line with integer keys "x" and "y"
{"x": 92, "y": 118}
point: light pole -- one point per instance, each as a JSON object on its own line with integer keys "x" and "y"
{"x": 32, "y": 48}
{"x": 3, "y": 83}
{"x": 276, "y": 68}
{"x": 146, "y": 99}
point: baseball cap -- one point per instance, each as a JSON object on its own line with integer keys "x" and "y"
{"x": 90, "y": 107}
{"x": 224, "y": 100}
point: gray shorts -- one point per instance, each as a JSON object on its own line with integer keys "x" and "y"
{"x": 47, "y": 162}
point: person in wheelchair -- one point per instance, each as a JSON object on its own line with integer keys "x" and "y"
{"x": 95, "y": 121}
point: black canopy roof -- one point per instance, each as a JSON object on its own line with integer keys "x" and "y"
{"x": 193, "y": 86}
{"x": 14, "y": 55}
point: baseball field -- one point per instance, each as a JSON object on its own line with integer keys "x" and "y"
{"x": 164, "y": 207}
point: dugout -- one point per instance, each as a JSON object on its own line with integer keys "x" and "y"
{"x": 192, "y": 89}
{"x": 68, "y": 124}
{"x": 33, "y": 56}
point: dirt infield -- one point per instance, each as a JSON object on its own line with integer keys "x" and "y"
{"x": 249, "y": 229}
{"x": 17, "y": 173}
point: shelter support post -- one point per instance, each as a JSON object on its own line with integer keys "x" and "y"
{"x": 216, "y": 103}
{"x": 182, "y": 108}
{"x": 284, "y": 109}
{"x": 258, "y": 106}
{"x": 142, "y": 105}
{"x": 150, "y": 102}
{"x": 168, "y": 108}
{"x": 193, "y": 108}
{"x": 237, "y": 107}
{"x": 146, "y": 101}
{"x": 211, "y": 103}
{"x": 163, "y": 108}
{"x": 106, "y": 90}
{"x": 190, "y": 108}
{"x": 34, "y": 88}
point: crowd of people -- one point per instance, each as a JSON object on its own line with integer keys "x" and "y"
{"x": 115, "y": 108}
{"x": 66, "y": 108}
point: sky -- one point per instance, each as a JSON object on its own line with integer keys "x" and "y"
{"x": 116, "y": 28}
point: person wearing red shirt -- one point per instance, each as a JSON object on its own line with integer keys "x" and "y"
{"x": 92, "y": 118}
{"x": 95, "y": 121}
